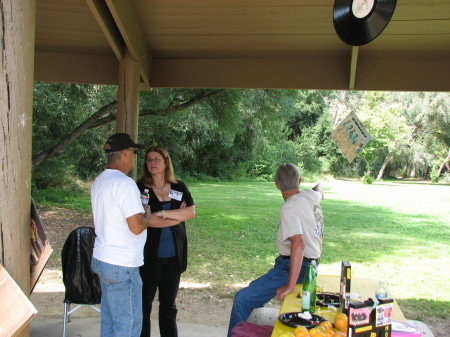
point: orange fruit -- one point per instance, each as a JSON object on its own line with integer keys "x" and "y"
{"x": 301, "y": 328}
{"x": 339, "y": 334}
{"x": 320, "y": 334}
{"x": 341, "y": 315}
{"x": 329, "y": 333}
{"x": 341, "y": 324}
{"x": 301, "y": 333}
{"x": 316, "y": 331}
{"x": 327, "y": 325}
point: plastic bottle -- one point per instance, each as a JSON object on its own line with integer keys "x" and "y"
{"x": 145, "y": 197}
{"x": 381, "y": 291}
{"x": 309, "y": 289}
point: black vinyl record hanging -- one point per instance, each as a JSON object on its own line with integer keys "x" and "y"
{"x": 358, "y": 22}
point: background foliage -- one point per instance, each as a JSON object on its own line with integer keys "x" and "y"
{"x": 245, "y": 134}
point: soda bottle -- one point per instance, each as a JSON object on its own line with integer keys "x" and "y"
{"x": 145, "y": 197}
{"x": 309, "y": 289}
{"x": 381, "y": 291}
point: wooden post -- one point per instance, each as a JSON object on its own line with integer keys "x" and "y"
{"x": 17, "y": 21}
{"x": 128, "y": 99}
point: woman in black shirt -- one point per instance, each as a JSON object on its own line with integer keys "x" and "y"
{"x": 165, "y": 252}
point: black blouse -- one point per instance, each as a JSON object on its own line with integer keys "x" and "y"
{"x": 178, "y": 231}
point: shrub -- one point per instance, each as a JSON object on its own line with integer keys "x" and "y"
{"x": 240, "y": 173}
{"x": 368, "y": 178}
{"x": 434, "y": 175}
{"x": 262, "y": 170}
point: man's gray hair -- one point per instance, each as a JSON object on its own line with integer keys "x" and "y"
{"x": 287, "y": 177}
{"x": 112, "y": 157}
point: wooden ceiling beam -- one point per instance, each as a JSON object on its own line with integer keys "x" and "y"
{"x": 279, "y": 73}
{"x": 127, "y": 23}
{"x": 108, "y": 26}
{"x": 75, "y": 68}
{"x": 353, "y": 64}
{"x": 401, "y": 72}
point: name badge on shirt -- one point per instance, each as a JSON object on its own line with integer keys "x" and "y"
{"x": 175, "y": 195}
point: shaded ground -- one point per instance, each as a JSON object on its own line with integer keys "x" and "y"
{"x": 195, "y": 305}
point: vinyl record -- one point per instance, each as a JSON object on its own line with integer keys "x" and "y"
{"x": 358, "y": 22}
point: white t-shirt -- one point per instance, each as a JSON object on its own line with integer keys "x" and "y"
{"x": 114, "y": 198}
{"x": 301, "y": 214}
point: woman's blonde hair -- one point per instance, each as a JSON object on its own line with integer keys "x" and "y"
{"x": 169, "y": 176}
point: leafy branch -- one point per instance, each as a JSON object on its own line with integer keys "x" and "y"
{"x": 98, "y": 118}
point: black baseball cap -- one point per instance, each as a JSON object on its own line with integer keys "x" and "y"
{"x": 119, "y": 142}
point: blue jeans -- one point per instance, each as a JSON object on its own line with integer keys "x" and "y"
{"x": 261, "y": 291}
{"x": 121, "y": 302}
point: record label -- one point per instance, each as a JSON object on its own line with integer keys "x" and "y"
{"x": 362, "y": 8}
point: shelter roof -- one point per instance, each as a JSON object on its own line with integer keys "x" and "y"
{"x": 240, "y": 44}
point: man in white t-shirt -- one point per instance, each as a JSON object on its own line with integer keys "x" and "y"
{"x": 120, "y": 222}
{"x": 299, "y": 238}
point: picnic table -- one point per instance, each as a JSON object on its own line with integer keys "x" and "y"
{"x": 328, "y": 283}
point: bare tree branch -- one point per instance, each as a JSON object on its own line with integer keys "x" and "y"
{"x": 57, "y": 149}
{"x": 96, "y": 120}
{"x": 164, "y": 111}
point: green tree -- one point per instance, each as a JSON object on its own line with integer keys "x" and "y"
{"x": 58, "y": 109}
{"x": 429, "y": 115}
{"x": 232, "y": 134}
{"x": 383, "y": 117}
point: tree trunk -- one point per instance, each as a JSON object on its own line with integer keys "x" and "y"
{"x": 413, "y": 172}
{"x": 446, "y": 160}
{"x": 405, "y": 170}
{"x": 17, "y": 22}
{"x": 341, "y": 107}
{"x": 383, "y": 168}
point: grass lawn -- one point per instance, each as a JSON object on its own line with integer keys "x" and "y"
{"x": 399, "y": 232}
{"x": 395, "y": 231}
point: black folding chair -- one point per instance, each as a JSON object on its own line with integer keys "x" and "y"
{"x": 81, "y": 283}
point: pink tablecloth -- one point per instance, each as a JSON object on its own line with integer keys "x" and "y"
{"x": 246, "y": 329}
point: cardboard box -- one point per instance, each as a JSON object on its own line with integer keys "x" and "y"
{"x": 367, "y": 321}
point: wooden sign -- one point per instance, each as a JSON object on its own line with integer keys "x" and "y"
{"x": 40, "y": 247}
{"x": 16, "y": 310}
{"x": 351, "y": 136}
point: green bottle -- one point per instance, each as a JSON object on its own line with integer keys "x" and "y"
{"x": 309, "y": 289}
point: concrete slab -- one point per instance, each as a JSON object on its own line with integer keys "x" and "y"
{"x": 90, "y": 327}
{"x": 264, "y": 316}
{"x": 426, "y": 332}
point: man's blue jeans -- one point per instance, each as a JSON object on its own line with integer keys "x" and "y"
{"x": 261, "y": 291}
{"x": 121, "y": 299}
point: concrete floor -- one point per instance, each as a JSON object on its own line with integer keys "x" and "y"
{"x": 90, "y": 327}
